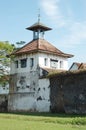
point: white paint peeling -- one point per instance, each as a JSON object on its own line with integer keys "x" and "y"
{"x": 4, "y": 89}
{"x": 27, "y": 80}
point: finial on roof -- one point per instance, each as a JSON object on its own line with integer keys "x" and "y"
{"x": 38, "y": 15}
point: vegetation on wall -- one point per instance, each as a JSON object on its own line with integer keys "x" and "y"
{"x": 65, "y": 73}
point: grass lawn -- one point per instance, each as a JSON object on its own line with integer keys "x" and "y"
{"x": 41, "y": 121}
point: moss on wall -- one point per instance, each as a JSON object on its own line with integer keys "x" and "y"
{"x": 3, "y": 103}
{"x": 68, "y": 92}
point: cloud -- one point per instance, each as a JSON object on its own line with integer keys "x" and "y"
{"x": 75, "y": 31}
{"x": 52, "y": 10}
{"x": 75, "y": 36}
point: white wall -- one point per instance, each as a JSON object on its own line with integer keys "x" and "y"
{"x": 5, "y": 89}
{"x": 32, "y": 101}
{"x": 44, "y": 104}
{"x": 49, "y": 56}
{"x": 21, "y": 102}
{"x": 38, "y": 60}
{"x": 25, "y": 82}
{"x": 40, "y": 100}
{"x": 26, "y": 69}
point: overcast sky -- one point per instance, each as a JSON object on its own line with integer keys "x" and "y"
{"x": 67, "y": 18}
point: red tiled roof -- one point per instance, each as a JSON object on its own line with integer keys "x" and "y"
{"x": 75, "y": 63}
{"x": 82, "y": 66}
{"x": 78, "y": 64}
{"x": 51, "y": 70}
{"x": 41, "y": 45}
{"x": 38, "y": 25}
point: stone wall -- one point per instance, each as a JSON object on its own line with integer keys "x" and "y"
{"x": 68, "y": 92}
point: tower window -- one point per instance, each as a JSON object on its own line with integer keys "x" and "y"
{"x": 61, "y": 64}
{"x": 23, "y": 63}
{"x": 54, "y": 63}
{"x": 45, "y": 61}
{"x": 31, "y": 62}
{"x": 16, "y": 63}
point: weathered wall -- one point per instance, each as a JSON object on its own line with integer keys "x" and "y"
{"x": 21, "y": 102}
{"x": 4, "y": 89}
{"x": 24, "y": 82}
{"x": 29, "y": 102}
{"x": 34, "y": 98}
{"x": 68, "y": 92}
{"x": 26, "y": 69}
{"x": 43, "y": 94}
{"x": 49, "y": 65}
{"x": 3, "y": 103}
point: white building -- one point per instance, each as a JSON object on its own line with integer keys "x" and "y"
{"x": 29, "y": 90}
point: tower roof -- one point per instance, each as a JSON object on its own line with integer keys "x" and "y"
{"x": 38, "y": 25}
{"x": 43, "y": 46}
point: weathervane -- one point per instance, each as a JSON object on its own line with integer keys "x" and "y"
{"x": 38, "y": 15}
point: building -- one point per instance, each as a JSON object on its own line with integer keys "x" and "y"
{"x": 74, "y": 66}
{"x": 82, "y": 66}
{"x": 29, "y": 89}
{"x": 77, "y": 66}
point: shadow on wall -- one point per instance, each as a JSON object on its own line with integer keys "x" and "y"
{"x": 3, "y": 103}
{"x": 68, "y": 93}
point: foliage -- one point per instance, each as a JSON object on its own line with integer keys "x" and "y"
{"x": 4, "y": 80}
{"x": 5, "y": 49}
{"x": 43, "y": 121}
{"x": 6, "y": 46}
{"x": 19, "y": 44}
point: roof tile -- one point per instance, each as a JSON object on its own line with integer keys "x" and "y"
{"x": 42, "y": 46}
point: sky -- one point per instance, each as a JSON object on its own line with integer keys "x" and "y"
{"x": 67, "y": 18}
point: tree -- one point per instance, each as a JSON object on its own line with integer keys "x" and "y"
{"x": 19, "y": 44}
{"x": 5, "y": 50}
